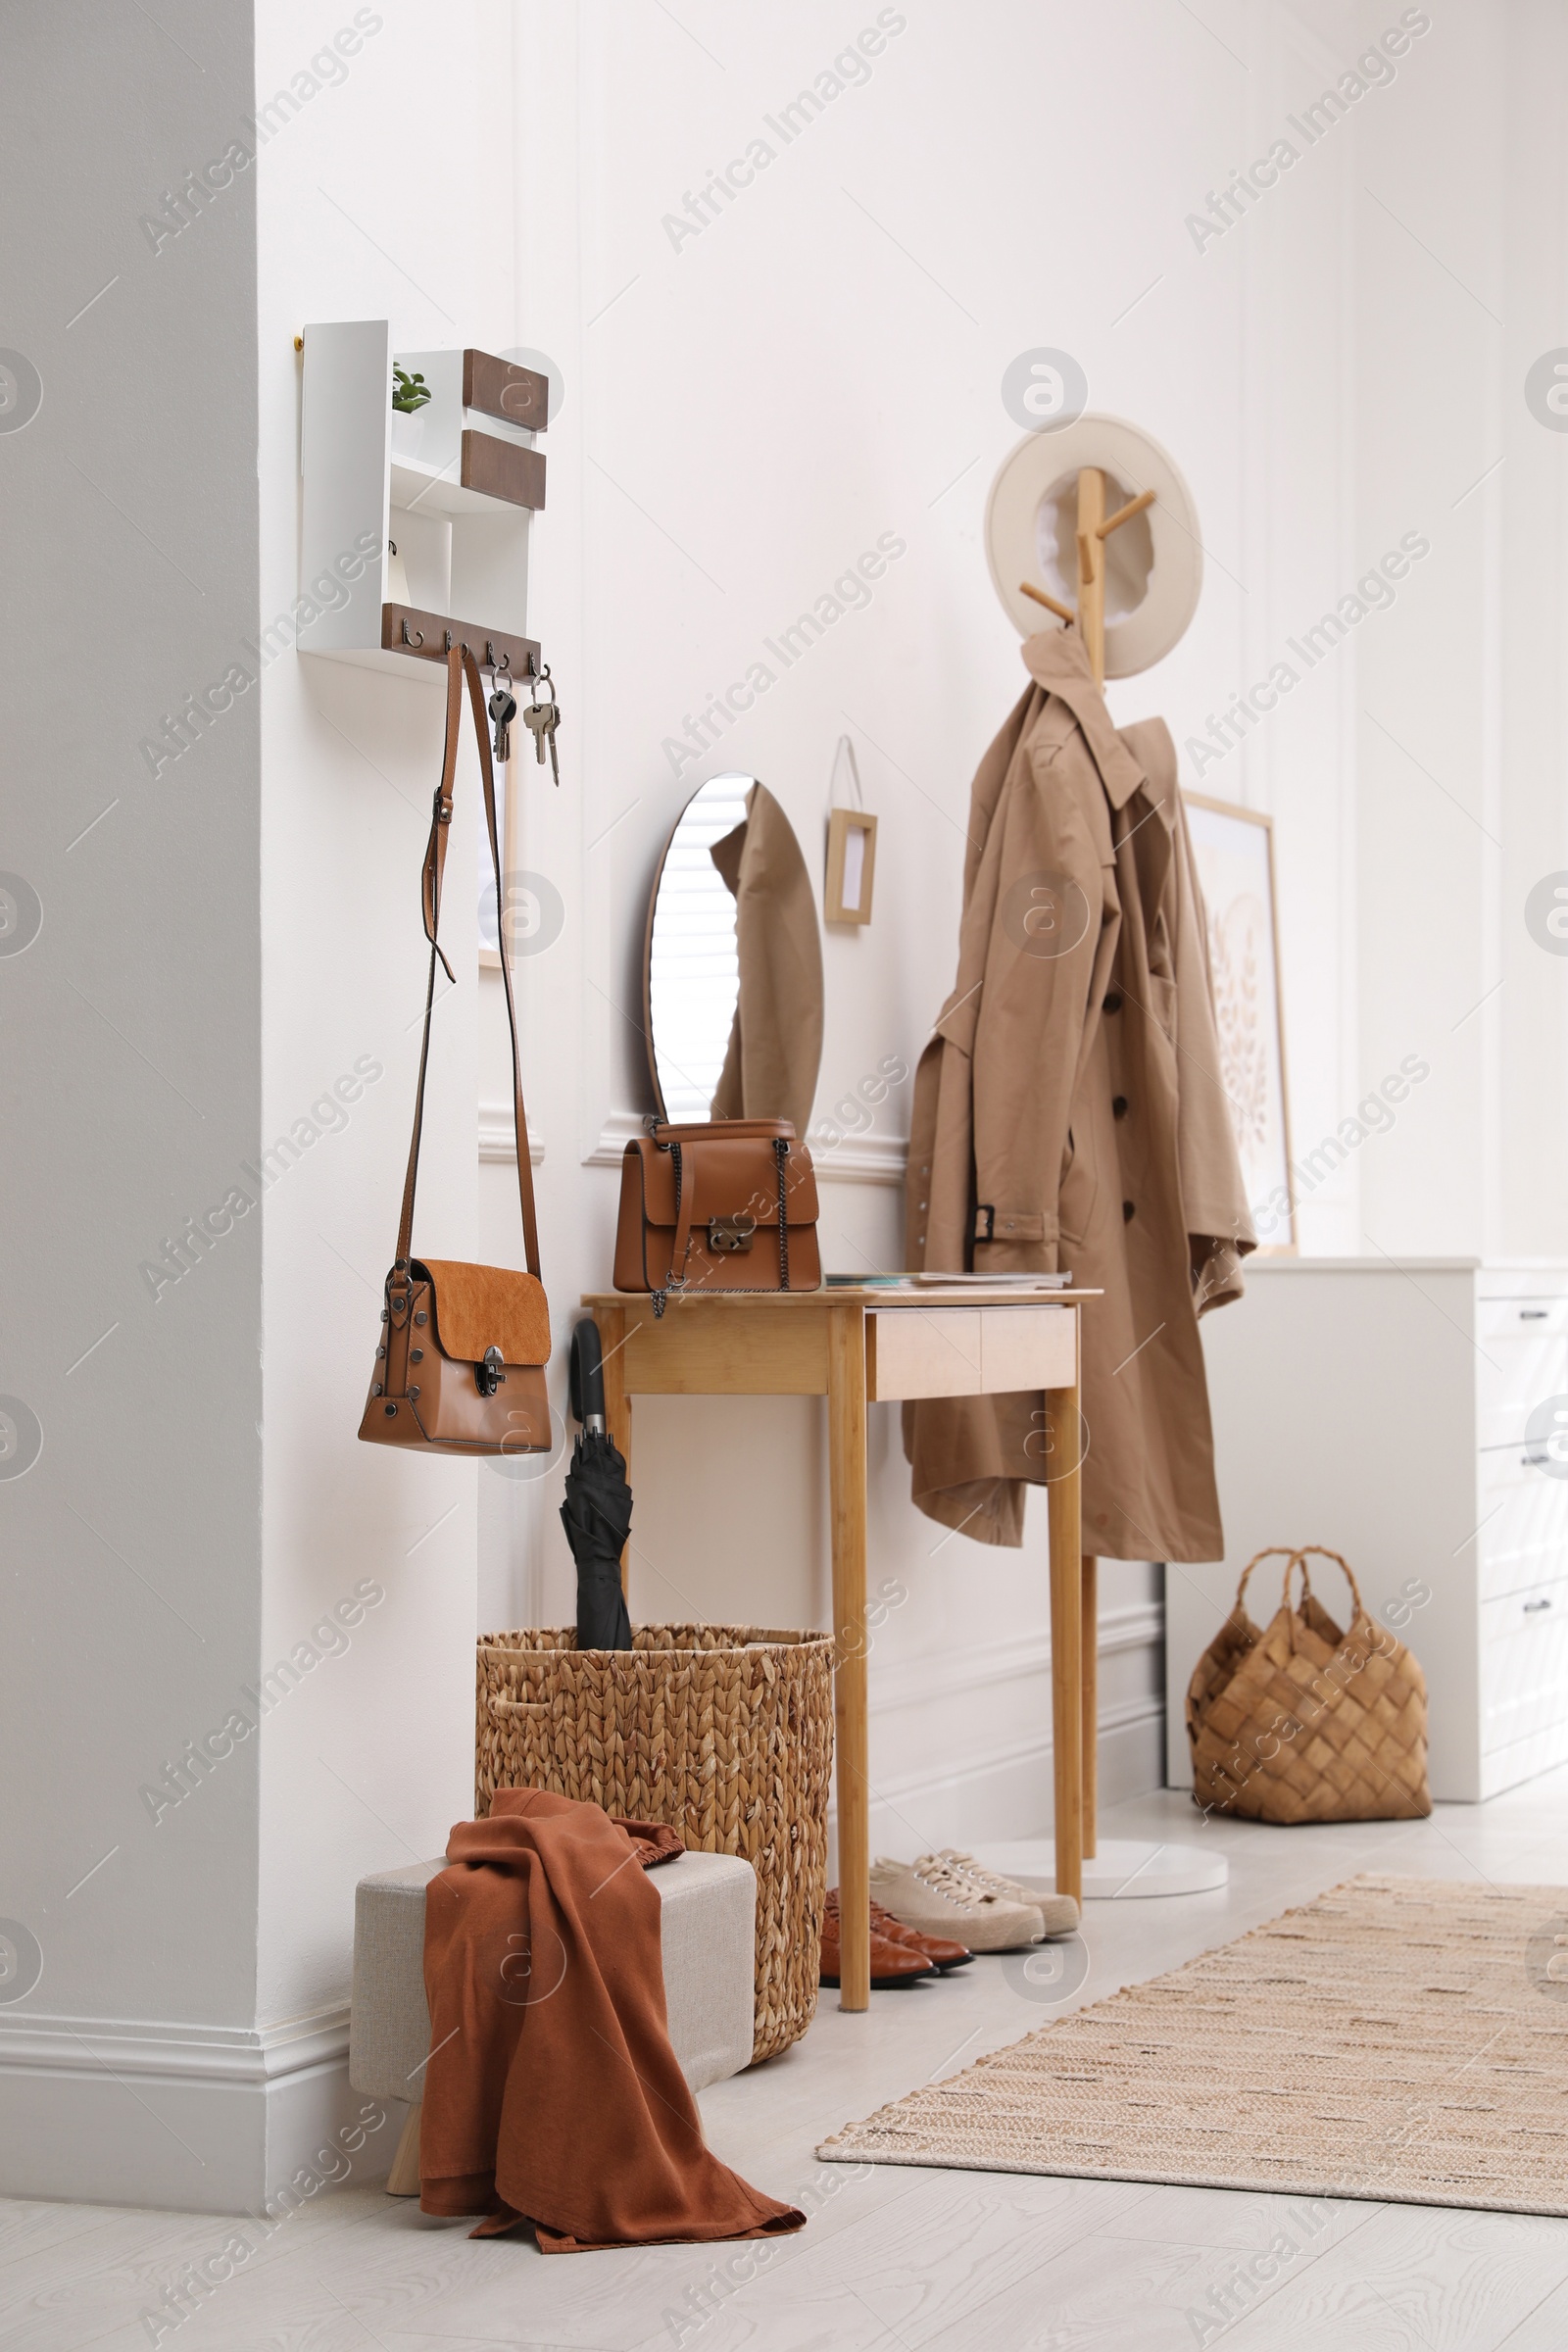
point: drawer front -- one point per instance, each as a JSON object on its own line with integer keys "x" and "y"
{"x": 1505, "y": 1767}
{"x": 1523, "y": 1536}
{"x": 969, "y": 1350}
{"x": 1522, "y": 1318}
{"x": 1518, "y": 1366}
{"x": 1524, "y": 1665}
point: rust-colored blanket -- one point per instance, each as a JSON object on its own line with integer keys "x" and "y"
{"x": 553, "y": 2094}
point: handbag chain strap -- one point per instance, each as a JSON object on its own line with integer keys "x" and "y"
{"x": 461, "y": 664}
{"x": 781, "y": 1153}
{"x": 681, "y": 1246}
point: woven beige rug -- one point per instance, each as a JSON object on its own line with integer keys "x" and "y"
{"x": 1398, "y": 2039}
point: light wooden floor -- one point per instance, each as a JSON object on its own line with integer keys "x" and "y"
{"x": 932, "y": 2262}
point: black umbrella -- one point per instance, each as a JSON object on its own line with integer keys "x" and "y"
{"x": 597, "y": 1511}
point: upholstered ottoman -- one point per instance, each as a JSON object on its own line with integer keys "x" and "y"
{"x": 710, "y": 1946}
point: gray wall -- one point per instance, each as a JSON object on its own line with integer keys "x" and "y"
{"x": 129, "y": 1027}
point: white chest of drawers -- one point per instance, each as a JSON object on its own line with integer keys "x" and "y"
{"x": 1383, "y": 1410}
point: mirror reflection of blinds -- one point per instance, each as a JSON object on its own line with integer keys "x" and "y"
{"x": 693, "y": 972}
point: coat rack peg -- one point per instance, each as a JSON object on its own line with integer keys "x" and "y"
{"x": 1133, "y": 506}
{"x": 1052, "y": 604}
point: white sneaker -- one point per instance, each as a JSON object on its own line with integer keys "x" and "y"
{"x": 1058, "y": 1913}
{"x": 930, "y": 1897}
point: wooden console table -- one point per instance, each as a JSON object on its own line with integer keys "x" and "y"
{"x": 867, "y": 1346}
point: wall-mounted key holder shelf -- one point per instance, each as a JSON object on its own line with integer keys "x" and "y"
{"x": 414, "y": 533}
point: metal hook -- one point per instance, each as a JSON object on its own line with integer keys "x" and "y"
{"x": 417, "y": 639}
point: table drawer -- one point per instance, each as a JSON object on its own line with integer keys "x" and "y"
{"x": 969, "y": 1350}
{"x": 1524, "y": 1664}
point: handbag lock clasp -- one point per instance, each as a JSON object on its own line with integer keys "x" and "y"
{"x": 730, "y": 1236}
{"x": 487, "y": 1373}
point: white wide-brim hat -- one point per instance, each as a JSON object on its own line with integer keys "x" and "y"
{"x": 1153, "y": 563}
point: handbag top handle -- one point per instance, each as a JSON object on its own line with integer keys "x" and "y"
{"x": 1294, "y": 1557}
{"x": 460, "y": 663}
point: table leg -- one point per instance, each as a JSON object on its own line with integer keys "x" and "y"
{"x": 1091, "y": 1702}
{"x": 612, "y": 1322}
{"x": 846, "y": 1425}
{"x": 1063, "y": 1502}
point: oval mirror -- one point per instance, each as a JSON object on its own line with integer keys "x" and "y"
{"x": 733, "y": 976}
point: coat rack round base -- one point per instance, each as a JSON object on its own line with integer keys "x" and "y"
{"x": 1122, "y": 1869}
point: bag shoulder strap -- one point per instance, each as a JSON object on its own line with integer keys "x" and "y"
{"x": 460, "y": 663}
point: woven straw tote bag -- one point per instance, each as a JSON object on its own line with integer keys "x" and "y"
{"x": 1303, "y": 1721}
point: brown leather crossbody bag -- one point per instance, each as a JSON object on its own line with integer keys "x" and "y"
{"x": 460, "y": 1368}
{"x": 726, "y": 1207}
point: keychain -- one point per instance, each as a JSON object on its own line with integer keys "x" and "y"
{"x": 543, "y": 718}
{"x": 502, "y": 708}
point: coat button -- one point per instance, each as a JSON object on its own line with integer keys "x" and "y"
{"x": 1128, "y": 1212}
{"x": 1114, "y": 1001}
{"x": 1119, "y": 1106}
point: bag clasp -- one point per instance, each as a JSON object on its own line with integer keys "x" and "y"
{"x": 731, "y": 1237}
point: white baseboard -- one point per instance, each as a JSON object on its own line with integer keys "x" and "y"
{"x": 620, "y": 1128}
{"x": 870, "y": 1159}
{"x": 926, "y": 1682}
{"x": 1005, "y": 1792}
{"x": 193, "y": 2119}
{"x": 855, "y": 1159}
{"x": 498, "y": 1137}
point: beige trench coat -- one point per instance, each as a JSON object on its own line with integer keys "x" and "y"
{"x": 1069, "y": 1114}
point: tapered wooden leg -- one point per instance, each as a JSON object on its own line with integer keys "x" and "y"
{"x": 403, "y": 2180}
{"x": 1090, "y": 1701}
{"x": 1066, "y": 1644}
{"x": 612, "y": 1322}
{"x": 846, "y": 1426}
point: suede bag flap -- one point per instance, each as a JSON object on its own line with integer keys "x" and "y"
{"x": 477, "y": 1308}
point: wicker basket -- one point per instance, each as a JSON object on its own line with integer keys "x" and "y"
{"x": 725, "y": 1732}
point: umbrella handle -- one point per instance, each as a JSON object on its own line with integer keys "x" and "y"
{"x": 588, "y": 1376}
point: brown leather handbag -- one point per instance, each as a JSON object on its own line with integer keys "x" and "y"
{"x": 460, "y": 1368}
{"x": 729, "y": 1206}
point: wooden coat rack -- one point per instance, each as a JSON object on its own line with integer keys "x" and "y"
{"x": 1094, "y": 527}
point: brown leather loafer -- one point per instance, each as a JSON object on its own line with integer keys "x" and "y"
{"x": 940, "y": 1950}
{"x": 891, "y": 1963}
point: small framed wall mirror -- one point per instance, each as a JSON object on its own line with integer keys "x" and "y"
{"x": 851, "y": 865}
{"x": 733, "y": 963}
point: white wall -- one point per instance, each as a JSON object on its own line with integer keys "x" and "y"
{"x": 1462, "y": 739}
{"x": 132, "y": 1088}
{"x": 747, "y": 410}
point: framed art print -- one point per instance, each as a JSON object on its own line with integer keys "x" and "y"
{"x": 1234, "y": 850}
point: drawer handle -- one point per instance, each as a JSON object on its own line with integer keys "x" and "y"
{"x": 1533, "y": 1314}
{"x": 1530, "y": 1606}
{"x": 1535, "y": 1462}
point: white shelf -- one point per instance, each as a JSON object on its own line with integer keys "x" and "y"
{"x": 374, "y": 475}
